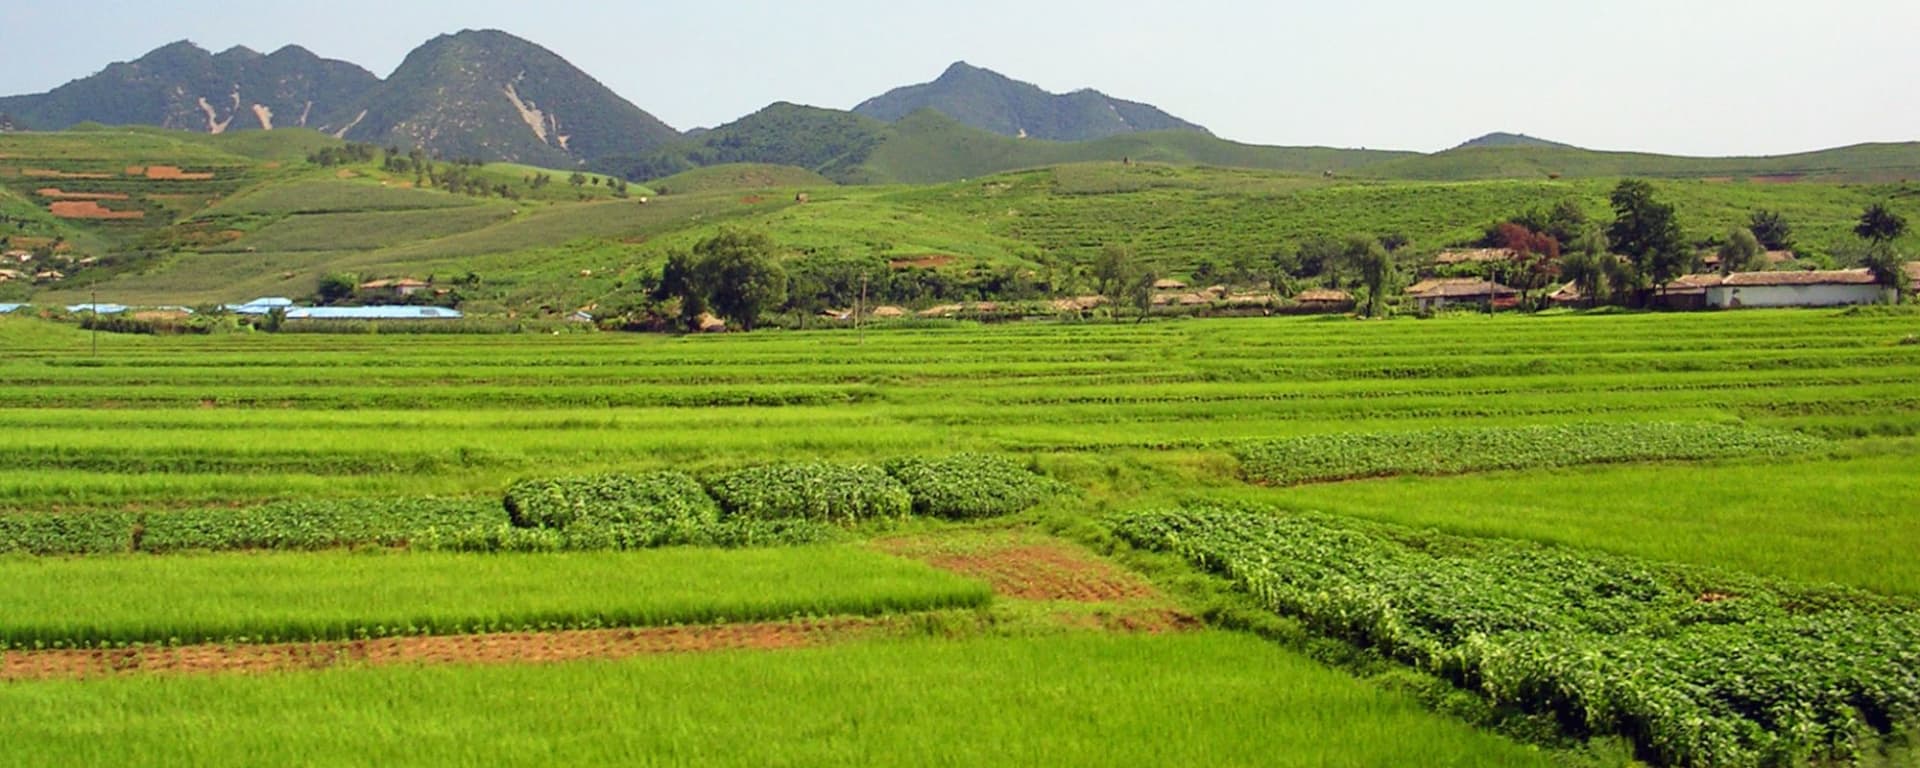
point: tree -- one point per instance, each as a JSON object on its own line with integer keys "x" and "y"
{"x": 1376, "y": 269}
{"x": 1586, "y": 267}
{"x": 1889, "y": 268}
{"x": 1646, "y": 231}
{"x": 1742, "y": 253}
{"x": 1879, "y": 225}
{"x": 337, "y": 287}
{"x": 1140, "y": 294}
{"x": 1772, "y": 230}
{"x": 578, "y": 179}
{"x": 1320, "y": 256}
{"x": 1115, "y": 273}
{"x": 739, "y": 277}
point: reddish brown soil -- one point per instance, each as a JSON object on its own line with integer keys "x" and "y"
{"x": 42, "y": 173}
{"x": 752, "y": 200}
{"x": 88, "y": 209}
{"x": 1046, "y": 572}
{"x": 173, "y": 173}
{"x": 54, "y": 193}
{"x": 921, "y": 262}
{"x": 520, "y": 648}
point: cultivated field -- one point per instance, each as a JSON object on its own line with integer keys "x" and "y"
{"x": 1560, "y": 539}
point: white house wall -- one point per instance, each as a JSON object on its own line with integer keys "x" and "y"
{"x": 1725, "y": 296}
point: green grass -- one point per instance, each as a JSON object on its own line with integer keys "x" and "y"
{"x": 1073, "y": 700}
{"x": 318, "y": 194}
{"x": 740, "y": 176}
{"x": 1848, "y": 521}
{"x": 89, "y": 602}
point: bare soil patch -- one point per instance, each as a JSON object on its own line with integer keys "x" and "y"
{"x": 89, "y": 209}
{"x": 514, "y": 648}
{"x": 42, "y": 173}
{"x": 55, "y": 193}
{"x": 173, "y": 173}
{"x": 1028, "y": 568}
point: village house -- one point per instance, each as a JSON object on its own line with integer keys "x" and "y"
{"x": 1475, "y": 256}
{"x": 1434, "y": 295}
{"x": 1324, "y": 300}
{"x": 1829, "y": 288}
{"x": 1686, "y": 292}
{"x": 393, "y": 289}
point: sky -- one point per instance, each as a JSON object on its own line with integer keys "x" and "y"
{"x": 1696, "y": 77}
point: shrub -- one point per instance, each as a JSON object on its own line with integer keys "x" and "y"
{"x": 740, "y": 533}
{"x": 667, "y": 505}
{"x": 826, "y": 493}
{"x": 969, "y": 485}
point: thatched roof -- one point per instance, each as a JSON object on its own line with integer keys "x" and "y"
{"x": 1169, "y": 284}
{"x": 1323, "y": 296}
{"x": 1459, "y": 288}
{"x": 1476, "y": 256}
{"x": 1823, "y": 277}
{"x": 888, "y": 312}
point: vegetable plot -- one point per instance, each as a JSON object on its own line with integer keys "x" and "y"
{"x": 1697, "y": 668}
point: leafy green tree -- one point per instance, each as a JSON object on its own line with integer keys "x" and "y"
{"x": 1889, "y": 268}
{"x": 1114, "y": 274}
{"x": 1879, "y": 225}
{"x": 1772, "y": 230}
{"x": 1320, "y": 256}
{"x": 1647, "y": 232}
{"x": 1376, "y": 269}
{"x": 1742, "y": 253}
{"x": 1140, "y": 294}
{"x": 578, "y": 179}
{"x": 739, "y": 276}
{"x": 1585, "y": 266}
{"x": 337, "y": 287}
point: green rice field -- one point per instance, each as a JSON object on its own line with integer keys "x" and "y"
{"x": 1634, "y": 486}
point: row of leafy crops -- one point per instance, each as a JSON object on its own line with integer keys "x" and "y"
{"x": 762, "y": 506}
{"x": 1331, "y": 457}
{"x": 1697, "y": 668}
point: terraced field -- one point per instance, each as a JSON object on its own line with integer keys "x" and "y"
{"x": 957, "y": 530}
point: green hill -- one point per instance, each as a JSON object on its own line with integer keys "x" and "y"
{"x": 930, "y": 147}
{"x": 993, "y": 102}
{"x": 1859, "y": 163}
{"x": 740, "y": 176}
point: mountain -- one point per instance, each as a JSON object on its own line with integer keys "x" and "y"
{"x": 183, "y": 86}
{"x": 489, "y": 95}
{"x": 1513, "y": 140}
{"x": 930, "y": 146}
{"x": 994, "y": 102}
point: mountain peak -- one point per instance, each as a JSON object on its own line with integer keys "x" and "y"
{"x": 1501, "y": 139}
{"x": 983, "y": 98}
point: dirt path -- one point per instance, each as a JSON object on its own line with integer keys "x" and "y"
{"x": 1084, "y": 590}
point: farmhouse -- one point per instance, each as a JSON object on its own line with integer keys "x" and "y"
{"x": 373, "y": 313}
{"x": 1169, "y": 284}
{"x": 1433, "y": 295}
{"x": 1322, "y": 300}
{"x": 1686, "y": 292}
{"x": 1477, "y": 256}
{"x": 1832, "y": 288}
{"x": 397, "y": 289}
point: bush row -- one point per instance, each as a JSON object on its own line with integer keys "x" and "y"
{"x": 1697, "y": 668}
{"x": 761, "y": 506}
{"x": 1324, "y": 458}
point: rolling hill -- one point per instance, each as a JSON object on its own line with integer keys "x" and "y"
{"x": 1498, "y": 139}
{"x": 1868, "y": 163}
{"x": 988, "y": 100}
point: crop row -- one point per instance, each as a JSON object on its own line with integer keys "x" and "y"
{"x": 1697, "y": 668}
{"x": 99, "y": 602}
{"x": 761, "y": 506}
{"x": 1322, "y": 458}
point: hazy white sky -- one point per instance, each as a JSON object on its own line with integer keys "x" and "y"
{"x": 1683, "y": 76}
